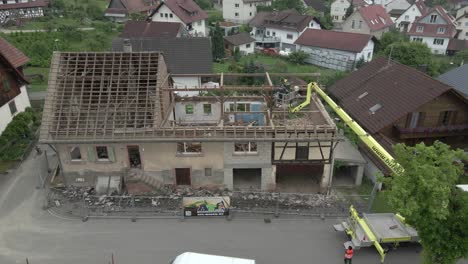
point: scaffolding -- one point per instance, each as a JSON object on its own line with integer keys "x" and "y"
{"x": 130, "y": 97}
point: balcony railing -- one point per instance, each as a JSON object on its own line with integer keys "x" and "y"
{"x": 266, "y": 39}
{"x": 441, "y": 131}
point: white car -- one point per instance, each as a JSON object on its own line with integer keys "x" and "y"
{"x": 197, "y": 258}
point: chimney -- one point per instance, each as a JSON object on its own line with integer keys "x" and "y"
{"x": 127, "y": 45}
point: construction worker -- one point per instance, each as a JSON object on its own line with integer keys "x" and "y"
{"x": 348, "y": 257}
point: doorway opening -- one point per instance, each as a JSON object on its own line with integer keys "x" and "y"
{"x": 247, "y": 179}
{"x": 183, "y": 176}
{"x": 134, "y": 156}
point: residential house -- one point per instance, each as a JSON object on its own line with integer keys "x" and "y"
{"x": 242, "y": 11}
{"x": 396, "y": 8}
{"x": 115, "y": 116}
{"x": 372, "y": 20}
{"x": 457, "y": 78}
{"x": 182, "y": 56}
{"x": 120, "y": 10}
{"x": 334, "y": 49}
{"x": 415, "y": 11}
{"x": 456, "y": 45}
{"x": 318, "y": 5}
{"x": 16, "y": 10}
{"x": 396, "y": 103}
{"x": 456, "y": 4}
{"x": 461, "y": 23}
{"x": 149, "y": 29}
{"x": 13, "y": 94}
{"x": 186, "y": 12}
{"x": 281, "y": 29}
{"x": 435, "y": 28}
{"x": 242, "y": 41}
{"x": 338, "y": 9}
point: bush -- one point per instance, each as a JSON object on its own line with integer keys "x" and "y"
{"x": 298, "y": 57}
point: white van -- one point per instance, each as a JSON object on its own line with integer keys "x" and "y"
{"x": 196, "y": 258}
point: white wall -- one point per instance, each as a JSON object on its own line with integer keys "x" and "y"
{"x": 187, "y": 82}
{"x": 462, "y": 23}
{"x": 436, "y": 49}
{"x": 409, "y": 16}
{"x": 283, "y": 34}
{"x": 245, "y": 11}
{"x": 199, "y": 27}
{"x": 21, "y": 101}
{"x": 338, "y": 10}
{"x": 247, "y": 50}
{"x": 198, "y": 115}
{"x": 368, "y": 49}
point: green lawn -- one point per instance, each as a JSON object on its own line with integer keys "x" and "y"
{"x": 380, "y": 204}
{"x": 36, "y": 84}
{"x": 271, "y": 65}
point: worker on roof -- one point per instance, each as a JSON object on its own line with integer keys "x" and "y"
{"x": 348, "y": 257}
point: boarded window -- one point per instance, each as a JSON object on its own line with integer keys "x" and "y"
{"x": 245, "y": 147}
{"x": 75, "y": 153}
{"x": 186, "y": 147}
{"x": 208, "y": 172}
{"x": 207, "y": 109}
{"x": 189, "y": 109}
{"x": 102, "y": 153}
{"x": 13, "y": 108}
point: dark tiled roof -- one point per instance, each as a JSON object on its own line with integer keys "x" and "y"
{"x": 375, "y": 17}
{"x": 182, "y": 55}
{"x": 12, "y": 54}
{"x": 286, "y": 20}
{"x": 391, "y": 90}
{"x": 31, "y": 4}
{"x": 239, "y": 39}
{"x": 187, "y": 10}
{"x": 130, "y": 6}
{"x": 333, "y": 40}
{"x": 143, "y": 29}
{"x": 457, "y": 78}
{"x": 318, "y": 5}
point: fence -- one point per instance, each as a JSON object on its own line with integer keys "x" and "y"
{"x": 81, "y": 203}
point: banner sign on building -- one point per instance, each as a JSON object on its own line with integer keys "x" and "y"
{"x": 206, "y": 206}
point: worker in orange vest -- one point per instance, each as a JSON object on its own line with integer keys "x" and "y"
{"x": 348, "y": 255}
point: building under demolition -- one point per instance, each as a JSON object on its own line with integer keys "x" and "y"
{"x": 118, "y": 114}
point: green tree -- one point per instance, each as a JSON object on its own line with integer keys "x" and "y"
{"x": 217, "y": 43}
{"x": 237, "y": 54}
{"x": 426, "y": 195}
{"x": 350, "y": 10}
{"x": 298, "y": 57}
{"x": 214, "y": 16}
{"x": 288, "y": 4}
{"x": 414, "y": 54}
{"x": 388, "y": 38}
{"x": 204, "y": 4}
{"x": 326, "y": 21}
{"x": 245, "y": 28}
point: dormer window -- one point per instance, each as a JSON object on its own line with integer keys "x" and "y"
{"x": 440, "y": 30}
{"x": 420, "y": 29}
{"x": 433, "y": 18}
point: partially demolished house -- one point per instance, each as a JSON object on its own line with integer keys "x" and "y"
{"x": 114, "y": 114}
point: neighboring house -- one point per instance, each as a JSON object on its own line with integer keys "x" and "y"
{"x": 338, "y": 9}
{"x": 113, "y": 114}
{"x": 13, "y": 94}
{"x": 396, "y": 103}
{"x": 461, "y": 23}
{"x": 242, "y": 41}
{"x": 457, "y": 78}
{"x": 456, "y": 45}
{"x": 334, "y": 49}
{"x": 120, "y": 10}
{"x": 281, "y": 29}
{"x": 396, "y": 7}
{"x": 182, "y": 56}
{"x": 372, "y": 20}
{"x": 435, "y": 28}
{"x": 186, "y": 12}
{"x": 229, "y": 28}
{"x": 15, "y": 10}
{"x": 415, "y": 11}
{"x": 242, "y": 11}
{"x": 318, "y": 5}
{"x": 146, "y": 29}
{"x": 456, "y": 4}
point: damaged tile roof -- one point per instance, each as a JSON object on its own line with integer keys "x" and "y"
{"x": 376, "y": 17}
{"x": 239, "y": 39}
{"x": 286, "y": 20}
{"x": 187, "y": 10}
{"x": 334, "y": 40}
{"x": 383, "y": 91}
{"x": 130, "y": 6}
{"x": 14, "y": 56}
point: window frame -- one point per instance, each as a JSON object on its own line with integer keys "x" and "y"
{"x": 187, "y": 107}
{"x": 13, "y": 108}
{"x": 440, "y": 30}
{"x": 97, "y": 153}
{"x": 250, "y": 149}
{"x": 437, "y": 41}
{"x": 287, "y": 36}
{"x": 71, "y": 156}
{"x": 420, "y": 29}
{"x": 210, "y": 174}
{"x": 185, "y": 147}
{"x": 204, "y": 109}
{"x": 431, "y": 20}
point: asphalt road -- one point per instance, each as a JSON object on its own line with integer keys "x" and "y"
{"x": 27, "y": 231}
